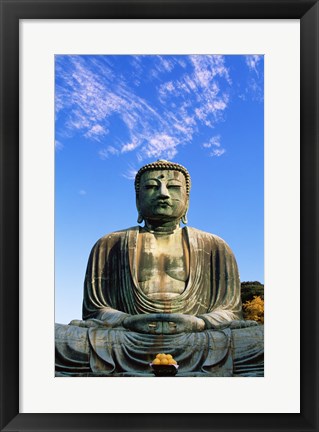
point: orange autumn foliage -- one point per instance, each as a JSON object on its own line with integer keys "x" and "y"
{"x": 254, "y": 309}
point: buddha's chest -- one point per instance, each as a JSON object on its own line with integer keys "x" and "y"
{"x": 162, "y": 264}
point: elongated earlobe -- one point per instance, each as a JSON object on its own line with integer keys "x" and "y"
{"x": 139, "y": 217}
{"x": 184, "y": 219}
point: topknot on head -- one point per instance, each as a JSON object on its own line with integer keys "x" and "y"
{"x": 162, "y": 164}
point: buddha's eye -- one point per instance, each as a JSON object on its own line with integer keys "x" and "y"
{"x": 150, "y": 186}
{"x": 173, "y": 186}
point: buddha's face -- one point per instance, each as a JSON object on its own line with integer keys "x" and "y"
{"x": 162, "y": 195}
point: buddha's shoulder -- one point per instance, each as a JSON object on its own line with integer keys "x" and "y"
{"x": 115, "y": 236}
{"x": 206, "y": 236}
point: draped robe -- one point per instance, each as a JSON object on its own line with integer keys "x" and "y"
{"x": 112, "y": 292}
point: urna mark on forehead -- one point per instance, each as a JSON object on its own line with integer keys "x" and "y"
{"x": 163, "y": 175}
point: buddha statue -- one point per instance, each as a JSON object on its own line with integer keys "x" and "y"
{"x": 161, "y": 288}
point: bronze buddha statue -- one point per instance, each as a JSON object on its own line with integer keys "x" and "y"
{"x": 161, "y": 288}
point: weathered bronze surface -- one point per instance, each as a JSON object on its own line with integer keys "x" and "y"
{"x": 161, "y": 288}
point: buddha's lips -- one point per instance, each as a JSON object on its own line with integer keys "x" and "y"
{"x": 162, "y": 202}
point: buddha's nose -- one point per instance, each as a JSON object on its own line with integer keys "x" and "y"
{"x": 163, "y": 191}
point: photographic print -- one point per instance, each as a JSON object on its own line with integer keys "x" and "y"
{"x": 163, "y": 137}
{"x": 159, "y": 215}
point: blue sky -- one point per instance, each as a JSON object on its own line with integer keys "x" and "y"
{"x": 117, "y": 113}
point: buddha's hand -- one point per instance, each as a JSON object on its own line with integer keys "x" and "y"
{"x": 164, "y": 323}
{"x": 143, "y": 323}
{"x": 235, "y": 324}
{"x": 243, "y": 324}
{"x": 87, "y": 323}
{"x": 181, "y": 323}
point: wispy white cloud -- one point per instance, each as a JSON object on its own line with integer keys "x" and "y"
{"x": 217, "y": 152}
{"x": 200, "y": 90}
{"x": 109, "y": 151}
{"x": 167, "y": 64}
{"x": 58, "y": 145}
{"x": 102, "y": 105}
{"x": 162, "y": 65}
{"x": 128, "y": 147}
{"x": 214, "y": 141}
{"x": 82, "y": 192}
{"x": 214, "y": 145}
{"x": 96, "y": 132}
{"x": 166, "y": 88}
{"x": 255, "y": 82}
{"x": 255, "y": 89}
{"x": 130, "y": 173}
{"x": 252, "y": 62}
{"x": 207, "y": 67}
{"x": 161, "y": 145}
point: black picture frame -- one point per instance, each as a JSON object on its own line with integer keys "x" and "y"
{"x": 11, "y": 12}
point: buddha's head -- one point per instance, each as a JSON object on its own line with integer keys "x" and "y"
{"x": 162, "y": 192}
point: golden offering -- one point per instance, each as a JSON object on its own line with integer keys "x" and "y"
{"x": 164, "y": 365}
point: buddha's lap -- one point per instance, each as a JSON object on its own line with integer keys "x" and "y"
{"x": 119, "y": 349}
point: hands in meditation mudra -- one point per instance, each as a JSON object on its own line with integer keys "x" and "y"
{"x": 161, "y": 288}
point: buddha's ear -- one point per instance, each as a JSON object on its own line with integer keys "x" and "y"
{"x": 184, "y": 217}
{"x": 139, "y": 217}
